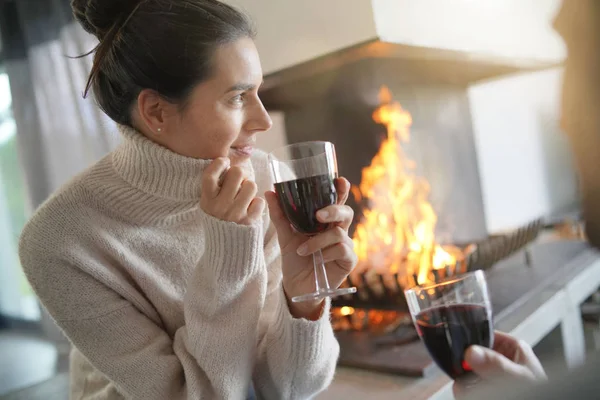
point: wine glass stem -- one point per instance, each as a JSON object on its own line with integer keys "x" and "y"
{"x": 321, "y": 282}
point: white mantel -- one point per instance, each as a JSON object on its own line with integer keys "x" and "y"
{"x": 292, "y": 31}
{"x": 506, "y": 28}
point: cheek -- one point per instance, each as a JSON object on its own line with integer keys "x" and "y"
{"x": 223, "y": 135}
{"x": 211, "y": 134}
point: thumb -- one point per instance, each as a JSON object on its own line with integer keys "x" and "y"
{"x": 489, "y": 364}
{"x": 281, "y": 223}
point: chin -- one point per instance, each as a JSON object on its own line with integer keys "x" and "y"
{"x": 244, "y": 163}
{"x": 238, "y": 160}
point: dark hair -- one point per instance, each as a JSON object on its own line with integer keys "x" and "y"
{"x": 165, "y": 45}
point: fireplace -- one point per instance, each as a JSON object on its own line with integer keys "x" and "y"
{"x": 400, "y": 119}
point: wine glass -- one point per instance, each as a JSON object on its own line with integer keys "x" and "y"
{"x": 304, "y": 175}
{"x": 449, "y": 317}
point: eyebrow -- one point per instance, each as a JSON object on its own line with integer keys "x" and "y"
{"x": 241, "y": 87}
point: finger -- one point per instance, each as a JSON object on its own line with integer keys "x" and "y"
{"x": 342, "y": 186}
{"x": 323, "y": 240}
{"x": 490, "y": 364}
{"x": 255, "y": 209}
{"x": 506, "y": 345}
{"x": 513, "y": 349}
{"x": 339, "y": 215}
{"x": 342, "y": 254}
{"x": 231, "y": 184}
{"x": 246, "y": 195}
{"x": 531, "y": 361}
{"x": 284, "y": 230}
{"x": 519, "y": 352}
{"x": 212, "y": 175}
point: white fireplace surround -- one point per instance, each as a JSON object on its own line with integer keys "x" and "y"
{"x": 524, "y": 160}
{"x": 293, "y": 31}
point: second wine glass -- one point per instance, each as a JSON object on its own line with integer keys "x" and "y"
{"x": 449, "y": 317}
{"x": 304, "y": 175}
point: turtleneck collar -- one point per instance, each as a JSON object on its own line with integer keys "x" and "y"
{"x": 156, "y": 170}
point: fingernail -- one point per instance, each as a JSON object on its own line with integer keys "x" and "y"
{"x": 323, "y": 214}
{"x": 302, "y": 250}
{"x": 475, "y": 355}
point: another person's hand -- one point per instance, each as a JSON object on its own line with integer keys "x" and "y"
{"x": 297, "y": 250}
{"x": 509, "y": 359}
{"x": 228, "y": 195}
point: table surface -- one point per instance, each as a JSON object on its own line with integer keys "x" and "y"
{"x": 528, "y": 303}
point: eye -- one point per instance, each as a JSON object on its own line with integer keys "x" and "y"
{"x": 238, "y": 100}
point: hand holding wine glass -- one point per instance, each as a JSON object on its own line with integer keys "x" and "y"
{"x": 454, "y": 320}
{"x": 312, "y": 224}
{"x": 509, "y": 359}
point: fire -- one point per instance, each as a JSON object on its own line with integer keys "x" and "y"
{"x": 346, "y": 310}
{"x": 396, "y": 232}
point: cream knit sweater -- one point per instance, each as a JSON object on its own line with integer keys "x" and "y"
{"x": 162, "y": 301}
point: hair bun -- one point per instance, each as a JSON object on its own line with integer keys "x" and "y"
{"x": 98, "y": 16}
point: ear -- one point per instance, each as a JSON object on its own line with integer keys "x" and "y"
{"x": 154, "y": 111}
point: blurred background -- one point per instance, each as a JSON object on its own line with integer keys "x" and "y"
{"x": 477, "y": 85}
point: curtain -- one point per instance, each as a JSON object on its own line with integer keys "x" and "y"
{"x": 58, "y": 132}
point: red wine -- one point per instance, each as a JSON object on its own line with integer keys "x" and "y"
{"x": 448, "y": 331}
{"x": 302, "y": 198}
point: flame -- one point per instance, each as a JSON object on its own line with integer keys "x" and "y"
{"x": 346, "y": 310}
{"x": 396, "y": 232}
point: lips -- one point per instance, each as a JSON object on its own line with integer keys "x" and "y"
{"x": 245, "y": 150}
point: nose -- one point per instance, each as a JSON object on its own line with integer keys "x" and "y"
{"x": 259, "y": 120}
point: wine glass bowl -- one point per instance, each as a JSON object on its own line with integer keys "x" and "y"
{"x": 300, "y": 200}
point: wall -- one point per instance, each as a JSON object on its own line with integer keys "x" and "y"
{"x": 293, "y": 31}
{"x": 510, "y": 28}
{"x": 524, "y": 159}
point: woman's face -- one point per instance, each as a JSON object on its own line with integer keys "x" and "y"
{"x": 223, "y": 114}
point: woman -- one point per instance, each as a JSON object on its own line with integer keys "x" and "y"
{"x": 160, "y": 265}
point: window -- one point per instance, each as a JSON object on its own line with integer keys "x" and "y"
{"x": 17, "y": 300}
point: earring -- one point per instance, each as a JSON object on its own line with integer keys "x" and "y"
{"x": 159, "y": 130}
